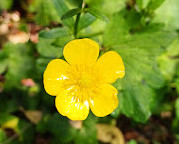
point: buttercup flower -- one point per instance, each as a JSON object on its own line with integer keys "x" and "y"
{"x": 84, "y": 82}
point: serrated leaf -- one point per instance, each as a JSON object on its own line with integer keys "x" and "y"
{"x": 141, "y": 74}
{"x": 97, "y": 14}
{"x": 71, "y": 13}
{"x": 116, "y": 31}
{"x": 169, "y": 59}
{"x": 54, "y": 33}
{"x": 142, "y": 77}
{"x": 62, "y": 8}
{"x": 154, "y": 4}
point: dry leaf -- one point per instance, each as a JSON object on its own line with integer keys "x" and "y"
{"x": 110, "y": 134}
{"x": 33, "y": 115}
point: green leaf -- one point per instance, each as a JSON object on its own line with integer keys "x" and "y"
{"x": 169, "y": 59}
{"x": 26, "y": 132}
{"x": 8, "y": 106}
{"x": 142, "y": 78}
{"x": 75, "y": 3}
{"x": 139, "y": 3}
{"x": 177, "y": 108}
{"x": 3, "y": 136}
{"x": 107, "y": 7}
{"x": 62, "y": 8}
{"x": 97, "y": 14}
{"x": 116, "y": 31}
{"x": 6, "y": 4}
{"x": 3, "y": 61}
{"x": 86, "y": 20}
{"x": 60, "y": 127}
{"x": 154, "y": 4}
{"x": 41, "y": 64}
{"x": 71, "y": 13}
{"x": 42, "y": 8}
{"x": 54, "y": 33}
{"x": 88, "y": 133}
{"x": 46, "y": 48}
{"x": 173, "y": 49}
{"x": 20, "y": 64}
{"x": 132, "y": 142}
{"x": 168, "y": 14}
{"x": 142, "y": 3}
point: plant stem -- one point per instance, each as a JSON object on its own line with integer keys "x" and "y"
{"x": 81, "y": 5}
{"x": 76, "y": 25}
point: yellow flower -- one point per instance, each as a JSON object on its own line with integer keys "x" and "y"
{"x": 84, "y": 82}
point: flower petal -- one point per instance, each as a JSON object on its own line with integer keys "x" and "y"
{"x": 110, "y": 67}
{"x": 81, "y": 51}
{"x": 104, "y": 102}
{"x": 72, "y": 104}
{"x": 54, "y": 76}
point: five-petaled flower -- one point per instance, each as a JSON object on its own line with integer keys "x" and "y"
{"x": 84, "y": 82}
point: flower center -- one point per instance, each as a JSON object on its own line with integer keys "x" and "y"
{"x": 84, "y": 80}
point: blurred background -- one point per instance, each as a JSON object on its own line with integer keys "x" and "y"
{"x": 144, "y": 32}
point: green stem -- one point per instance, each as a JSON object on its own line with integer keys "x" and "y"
{"x": 81, "y": 5}
{"x": 76, "y": 25}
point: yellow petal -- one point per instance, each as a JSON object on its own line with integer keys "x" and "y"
{"x": 105, "y": 101}
{"x": 55, "y": 75}
{"x": 73, "y": 104}
{"x": 81, "y": 51}
{"x": 110, "y": 67}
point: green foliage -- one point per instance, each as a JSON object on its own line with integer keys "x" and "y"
{"x": 88, "y": 133}
{"x": 45, "y": 12}
{"x": 46, "y": 48}
{"x": 132, "y": 142}
{"x": 62, "y": 8}
{"x": 177, "y": 108}
{"x": 54, "y": 33}
{"x": 97, "y": 14}
{"x": 85, "y": 21}
{"x": 3, "y": 136}
{"x": 107, "y": 7}
{"x": 3, "y": 64}
{"x": 60, "y": 127}
{"x": 144, "y": 33}
{"x": 18, "y": 58}
{"x": 154, "y": 4}
{"x": 168, "y": 14}
{"x": 6, "y": 4}
{"x": 71, "y": 13}
{"x": 142, "y": 75}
